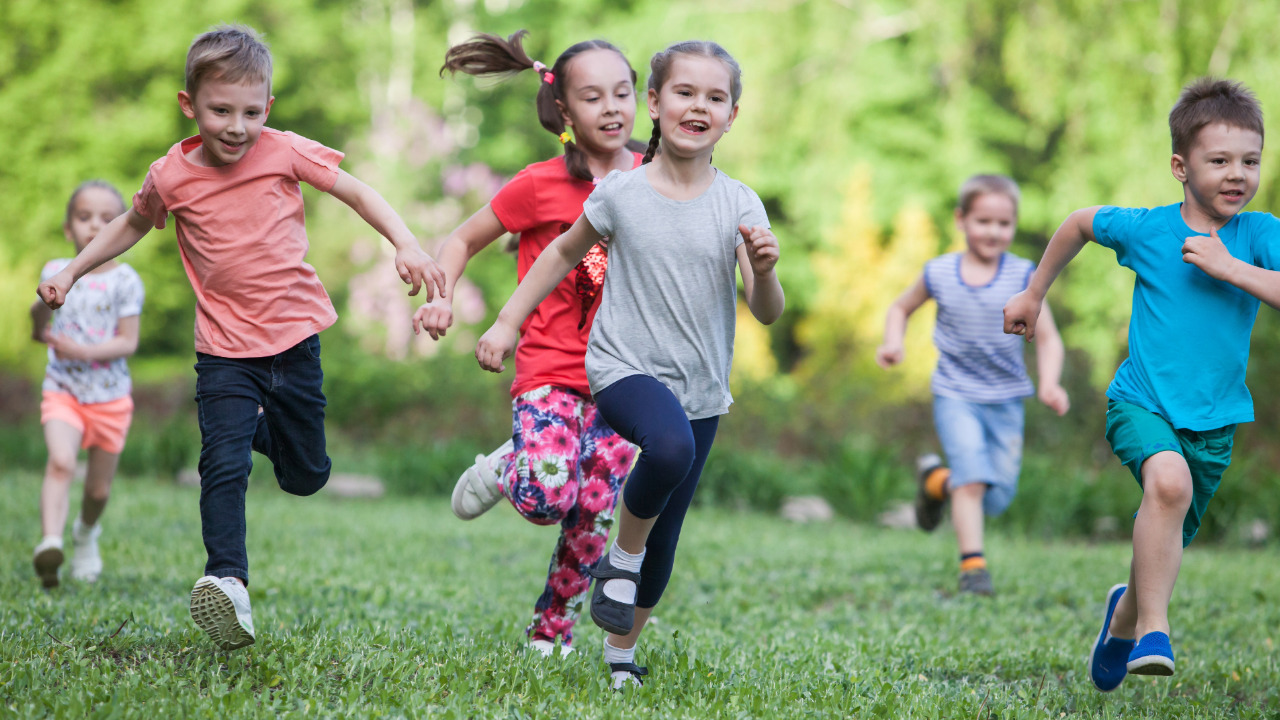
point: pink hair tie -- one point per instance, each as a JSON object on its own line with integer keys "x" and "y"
{"x": 538, "y": 67}
{"x": 548, "y": 77}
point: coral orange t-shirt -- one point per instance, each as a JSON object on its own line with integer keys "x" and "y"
{"x": 541, "y": 202}
{"x": 243, "y": 241}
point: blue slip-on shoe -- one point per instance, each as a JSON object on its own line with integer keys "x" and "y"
{"x": 1107, "y": 660}
{"x": 1152, "y": 656}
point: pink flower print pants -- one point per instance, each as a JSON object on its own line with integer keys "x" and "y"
{"x": 567, "y": 468}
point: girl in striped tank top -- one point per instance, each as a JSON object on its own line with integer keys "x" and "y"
{"x": 981, "y": 378}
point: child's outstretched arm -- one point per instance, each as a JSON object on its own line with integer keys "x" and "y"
{"x": 1050, "y": 353}
{"x": 472, "y": 236}
{"x": 1209, "y": 254}
{"x": 122, "y": 345}
{"x": 757, "y": 256}
{"x": 118, "y": 236}
{"x": 1021, "y": 311}
{"x": 562, "y": 255}
{"x": 413, "y": 264}
{"x": 895, "y": 323}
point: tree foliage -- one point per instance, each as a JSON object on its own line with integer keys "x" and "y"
{"x": 858, "y": 123}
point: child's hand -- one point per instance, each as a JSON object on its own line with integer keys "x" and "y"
{"x": 762, "y": 248}
{"x": 887, "y": 356}
{"x": 435, "y": 317}
{"x": 1021, "y": 313}
{"x": 1055, "y": 397}
{"x": 54, "y": 290}
{"x": 1209, "y": 254}
{"x": 65, "y": 348}
{"x": 496, "y": 345}
{"x": 416, "y": 268}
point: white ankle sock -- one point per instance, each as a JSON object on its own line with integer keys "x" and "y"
{"x": 624, "y": 591}
{"x": 618, "y": 655}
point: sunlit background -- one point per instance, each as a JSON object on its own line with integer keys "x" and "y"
{"x": 859, "y": 121}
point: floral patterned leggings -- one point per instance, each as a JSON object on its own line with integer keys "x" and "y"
{"x": 567, "y": 467}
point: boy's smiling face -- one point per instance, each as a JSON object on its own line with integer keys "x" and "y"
{"x": 230, "y": 117}
{"x": 1219, "y": 173}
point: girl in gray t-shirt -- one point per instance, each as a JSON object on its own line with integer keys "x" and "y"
{"x": 662, "y": 343}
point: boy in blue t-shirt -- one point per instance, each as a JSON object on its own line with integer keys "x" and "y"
{"x": 1201, "y": 266}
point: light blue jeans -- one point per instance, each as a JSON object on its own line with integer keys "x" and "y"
{"x": 983, "y": 443}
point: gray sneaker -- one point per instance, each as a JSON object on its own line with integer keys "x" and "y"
{"x": 47, "y": 558}
{"x": 220, "y": 607}
{"x": 977, "y": 582}
{"x": 928, "y": 509}
{"x": 86, "y": 562}
{"x": 477, "y": 489}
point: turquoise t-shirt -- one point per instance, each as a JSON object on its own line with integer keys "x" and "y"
{"x": 1189, "y": 333}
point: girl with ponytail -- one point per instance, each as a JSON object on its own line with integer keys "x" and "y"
{"x": 562, "y": 464}
{"x": 659, "y": 355}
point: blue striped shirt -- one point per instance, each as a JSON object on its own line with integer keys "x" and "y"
{"x": 977, "y": 361}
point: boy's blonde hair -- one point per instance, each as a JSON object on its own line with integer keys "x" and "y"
{"x": 1212, "y": 100}
{"x": 987, "y": 184}
{"x": 231, "y": 53}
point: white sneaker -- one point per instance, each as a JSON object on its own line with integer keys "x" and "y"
{"x": 47, "y": 558}
{"x": 220, "y": 607}
{"x": 86, "y": 563}
{"x": 548, "y": 648}
{"x": 477, "y": 489}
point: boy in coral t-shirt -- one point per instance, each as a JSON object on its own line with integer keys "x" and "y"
{"x": 234, "y": 193}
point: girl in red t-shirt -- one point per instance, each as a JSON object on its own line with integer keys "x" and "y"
{"x": 563, "y": 464}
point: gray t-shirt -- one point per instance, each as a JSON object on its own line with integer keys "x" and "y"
{"x": 669, "y": 302}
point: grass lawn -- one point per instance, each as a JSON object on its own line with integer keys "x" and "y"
{"x": 393, "y": 608}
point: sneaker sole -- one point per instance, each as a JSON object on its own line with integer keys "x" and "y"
{"x": 214, "y": 613}
{"x": 1102, "y": 635}
{"x": 47, "y": 563}
{"x": 1151, "y": 665}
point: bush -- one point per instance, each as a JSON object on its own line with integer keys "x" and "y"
{"x": 753, "y": 479}
{"x": 861, "y": 478}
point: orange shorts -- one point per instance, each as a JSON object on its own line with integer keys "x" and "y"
{"x": 102, "y": 425}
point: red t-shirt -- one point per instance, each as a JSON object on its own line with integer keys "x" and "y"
{"x": 541, "y": 202}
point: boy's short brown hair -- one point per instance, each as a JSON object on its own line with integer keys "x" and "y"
{"x": 231, "y": 53}
{"x": 1212, "y": 100}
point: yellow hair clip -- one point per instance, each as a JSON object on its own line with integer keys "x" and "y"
{"x": 565, "y": 138}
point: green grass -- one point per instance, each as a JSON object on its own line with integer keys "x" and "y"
{"x": 395, "y": 609}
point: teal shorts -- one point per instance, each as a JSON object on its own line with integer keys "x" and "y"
{"x": 1136, "y": 434}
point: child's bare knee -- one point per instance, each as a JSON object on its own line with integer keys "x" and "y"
{"x": 61, "y": 467}
{"x": 1168, "y": 486}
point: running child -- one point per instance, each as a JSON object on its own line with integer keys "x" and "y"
{"x": 660, "y": 349}
{"x": 234, "y": 193}
{"x": 85, "y": 401}
{"x": 563, "y": 464}
{"x": 1201, "y": 267}
{"x": 981, "y": 378}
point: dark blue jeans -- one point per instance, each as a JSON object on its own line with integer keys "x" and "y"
{"x": 289, "y": 431}
{"x": 673, "y": 450}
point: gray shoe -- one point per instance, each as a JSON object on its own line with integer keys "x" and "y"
{"x": 977, "y": 582}
{"x": 928, "y": 509}
{"x": 47, "y": 558}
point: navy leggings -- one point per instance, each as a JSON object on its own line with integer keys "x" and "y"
{"x": 673, "y": 450}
